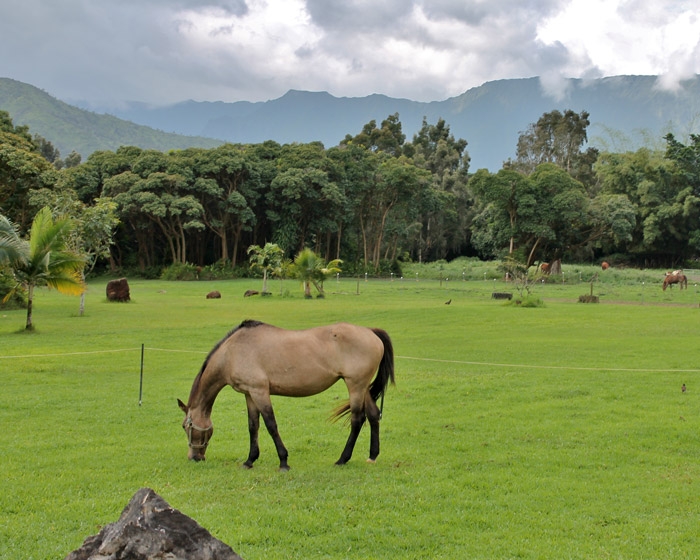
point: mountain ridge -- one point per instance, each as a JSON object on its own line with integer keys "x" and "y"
{"x": 628, "y": 110}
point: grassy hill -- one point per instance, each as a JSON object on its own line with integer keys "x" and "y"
{"x": 69, "y": 128}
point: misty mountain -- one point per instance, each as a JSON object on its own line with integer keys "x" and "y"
{"x": 625, "y": 112}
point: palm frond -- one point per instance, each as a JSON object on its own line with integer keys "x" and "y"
{"x": 69, "y": 283}
{"x": 12, "y": 247}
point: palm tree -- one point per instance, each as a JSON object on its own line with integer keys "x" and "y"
{"x": 44, "y": 260}
{"x": 267, "y": 259}
{"x": 312, "y": 269}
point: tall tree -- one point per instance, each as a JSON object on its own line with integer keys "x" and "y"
{"x": 397, "y": 187}
{"x": 507, "y": 201}
{"x": 666, "y": 207}
{"x": 22, "y": 169}
{"x": 546, "y": 213}
{"x": 303, "y": 200}
{"x": 446, "y": 216}
{"x": 48, "y": 151}
{"x": 228, "y": 187}
{"x": 388, "y": 138}
{"x": 557, "y": 138}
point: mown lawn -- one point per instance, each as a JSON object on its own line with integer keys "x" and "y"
{"x": 553, "y": 432}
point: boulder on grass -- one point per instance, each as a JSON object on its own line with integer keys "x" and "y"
{"x": 118, "y": 290}
{"x": 150, "y": 529}
{"x": 214, "y": 295}
{"x": 249, "y": 293}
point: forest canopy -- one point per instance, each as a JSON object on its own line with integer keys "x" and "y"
{"x": 375, "y": 199}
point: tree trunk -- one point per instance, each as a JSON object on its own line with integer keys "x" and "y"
{"x": 82, "y": 296}
{"x": 224, "y": 245}
{"x": 337, "y": 248}
{"x": 319, "y": 287}
{"x": 30, "y": 301}
{"x": 531, "y": 257}
{"x": 364, "y": 239}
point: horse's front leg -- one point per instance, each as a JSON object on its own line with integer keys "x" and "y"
{"x": 253, "y": 428}
{"x": 264, "y": 405}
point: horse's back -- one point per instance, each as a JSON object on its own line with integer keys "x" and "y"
{"x": 299, "y": 362}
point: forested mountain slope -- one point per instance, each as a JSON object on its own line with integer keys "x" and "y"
{"x": 70, "y": 128}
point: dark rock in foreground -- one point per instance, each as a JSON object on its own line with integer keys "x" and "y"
{"x": 150, "y": 529}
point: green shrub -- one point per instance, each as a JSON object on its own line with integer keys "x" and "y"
{"x": 528, "y": 301}
{"x": 180, "y": 271}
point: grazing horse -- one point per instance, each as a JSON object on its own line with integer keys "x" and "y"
{"x": 260, "y": 360}
{"x": 675, "y": 277}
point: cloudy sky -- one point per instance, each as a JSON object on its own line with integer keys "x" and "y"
{"x": 161, "y": 51}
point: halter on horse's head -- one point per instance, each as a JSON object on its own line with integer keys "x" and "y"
{"x": 197, "y": 436}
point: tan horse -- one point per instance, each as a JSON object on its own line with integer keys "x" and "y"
{"x": 260, "y": 360}
{"x": 675, "y": 277}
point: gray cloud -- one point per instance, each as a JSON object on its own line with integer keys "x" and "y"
{"x": 162, "y": 51}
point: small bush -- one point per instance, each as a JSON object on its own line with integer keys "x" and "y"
{"x": 180, "y": 271}
{"x": 529, "y": 301}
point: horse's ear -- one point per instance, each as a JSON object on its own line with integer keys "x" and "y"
{"x": 182, "y": 405}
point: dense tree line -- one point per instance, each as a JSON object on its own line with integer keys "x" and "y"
{"x": 374, "y": 199}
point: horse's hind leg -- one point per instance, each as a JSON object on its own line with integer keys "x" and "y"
{"x": 253, "y": 428}
{"x": 264, "y": 405}
{"x": 372, "y": 411}
{"x": 357, "y": 419}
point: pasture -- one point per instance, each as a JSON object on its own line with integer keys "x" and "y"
{"x": 553, "y": 432}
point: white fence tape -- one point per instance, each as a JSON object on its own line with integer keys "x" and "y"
{"x": 436, "y": 360}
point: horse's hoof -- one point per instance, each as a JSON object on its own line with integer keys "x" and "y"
{"x": 371, "y": 460}
{"x": 247, "y": 465}
{"x": 285, "y": 468}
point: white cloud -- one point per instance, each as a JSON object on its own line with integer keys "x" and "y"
{"x": 163, "y": 51}
{"x": 628, "y": 37}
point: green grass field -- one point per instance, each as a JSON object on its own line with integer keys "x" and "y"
{"x": 552, "y": 432}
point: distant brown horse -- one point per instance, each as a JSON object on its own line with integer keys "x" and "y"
{"x": 675, "y": 277}
{"x": 260, "y": 360}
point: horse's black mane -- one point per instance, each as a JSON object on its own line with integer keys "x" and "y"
{"x": 247, "y": 324}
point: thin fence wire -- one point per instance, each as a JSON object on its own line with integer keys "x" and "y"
{"x": 435, "y": 360}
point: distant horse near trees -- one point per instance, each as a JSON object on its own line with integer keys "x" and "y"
{"x": 260, "y": 360}
{"x": 675, "y": 277}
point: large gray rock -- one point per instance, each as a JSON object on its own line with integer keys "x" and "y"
{"x": 149, "y": 529}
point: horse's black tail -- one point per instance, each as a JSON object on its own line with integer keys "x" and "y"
{"x": 385, "y": 375}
